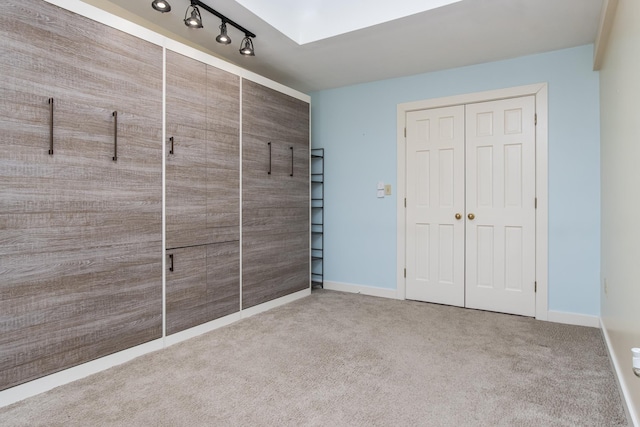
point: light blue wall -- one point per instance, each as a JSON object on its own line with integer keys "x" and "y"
{"x": 357, "y": 127}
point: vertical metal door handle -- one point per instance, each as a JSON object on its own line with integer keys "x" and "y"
{"x": 269, "y": 144}
{"x": 291, "y": 174}
{"x": 51, "y": 127}
{"x": 171, "y": 141}
{"x": 115, "y": 136}
{"x": 171, "y": 259}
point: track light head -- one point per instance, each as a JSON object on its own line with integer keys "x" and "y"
{"x": 223, "y": 37}
{"x": 195, "y": 20}
{"x": 247, "y": 47}
{"x": 161, "y": 6}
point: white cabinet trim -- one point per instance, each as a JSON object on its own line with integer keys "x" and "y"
{"x": 99, "y": 15}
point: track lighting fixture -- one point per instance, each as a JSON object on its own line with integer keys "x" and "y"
{"x": 161, "y": 6}
{"x": 223, "y": 37}
{"x": 193, "y": 19}
{"x": 247, "y": 47}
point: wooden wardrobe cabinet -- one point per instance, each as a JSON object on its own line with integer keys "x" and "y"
{"x": 81, "y": 228}
{"x": 275, "y": 194}
{"x": 202, "y": 192}
{"x": 81, "y": 189}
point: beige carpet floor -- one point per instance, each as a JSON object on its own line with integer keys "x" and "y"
{"x": 336, "y": 359}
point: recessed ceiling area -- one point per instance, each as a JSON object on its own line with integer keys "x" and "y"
{"x": 457, "y": 34}
{"x": 313, "y": 20}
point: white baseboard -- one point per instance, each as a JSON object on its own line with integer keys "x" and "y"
{"x": 252, "y": 311}
{"x": 178, "y": 337}
{"x": 227, "y": 320}
{"x": 361, "y": 289}
{"x": 573, "y": 319}
{"x": 41, "y": 385}
{"x": 632, "y": 415}
{"x": 552, "y": 316}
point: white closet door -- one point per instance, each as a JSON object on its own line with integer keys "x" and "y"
{"x": 500, "y": 201}
{"x": 435, "y": 194}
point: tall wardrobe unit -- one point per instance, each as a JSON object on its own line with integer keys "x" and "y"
{"x": 81, "y": 190}
{"x": 202, "y": 192}
{"x": 275, "y": 194}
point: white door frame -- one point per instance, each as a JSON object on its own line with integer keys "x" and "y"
{"x": 540, "y": 91}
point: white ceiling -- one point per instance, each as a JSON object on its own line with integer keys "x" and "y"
{"x": 459, "y": 34}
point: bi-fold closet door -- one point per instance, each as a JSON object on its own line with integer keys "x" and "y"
{"x": 81, "y": 191}
{"x": 471, "y": 205}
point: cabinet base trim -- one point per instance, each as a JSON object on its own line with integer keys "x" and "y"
{"x": 252, "y": 311}
{"x": 227, "y": 320}
{"x": 201, "y": 329}
{"x": 41, "y": 385}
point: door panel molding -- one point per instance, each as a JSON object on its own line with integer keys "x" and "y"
{"x": 500, "y": 192}
{"x": 435, "y": 159}
{"x": 540, "y": 91}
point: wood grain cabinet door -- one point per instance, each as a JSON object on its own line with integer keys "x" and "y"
{"x": 203, "y": 192}
{"x": 186, "y": 187}
{"x": 203, "y": 155}
{"x": 275, "y": 205}
{"x": 186, "y": 164}
{"x": 223, "y": 156}
{"x": 186, "y": 288}
{"x": 203, "y": 284}
{"x": 275, "y": 148}
{"x": 223, "y": 278}
{"x": 80, "y": 234}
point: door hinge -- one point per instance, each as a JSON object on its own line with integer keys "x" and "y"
{"x": 535, "y": 203}
{"x": 535, "y": 287}
{"x": 535, "y": 120}
{"x": 405, "y": 273}
{"x": 405, "y": 132}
